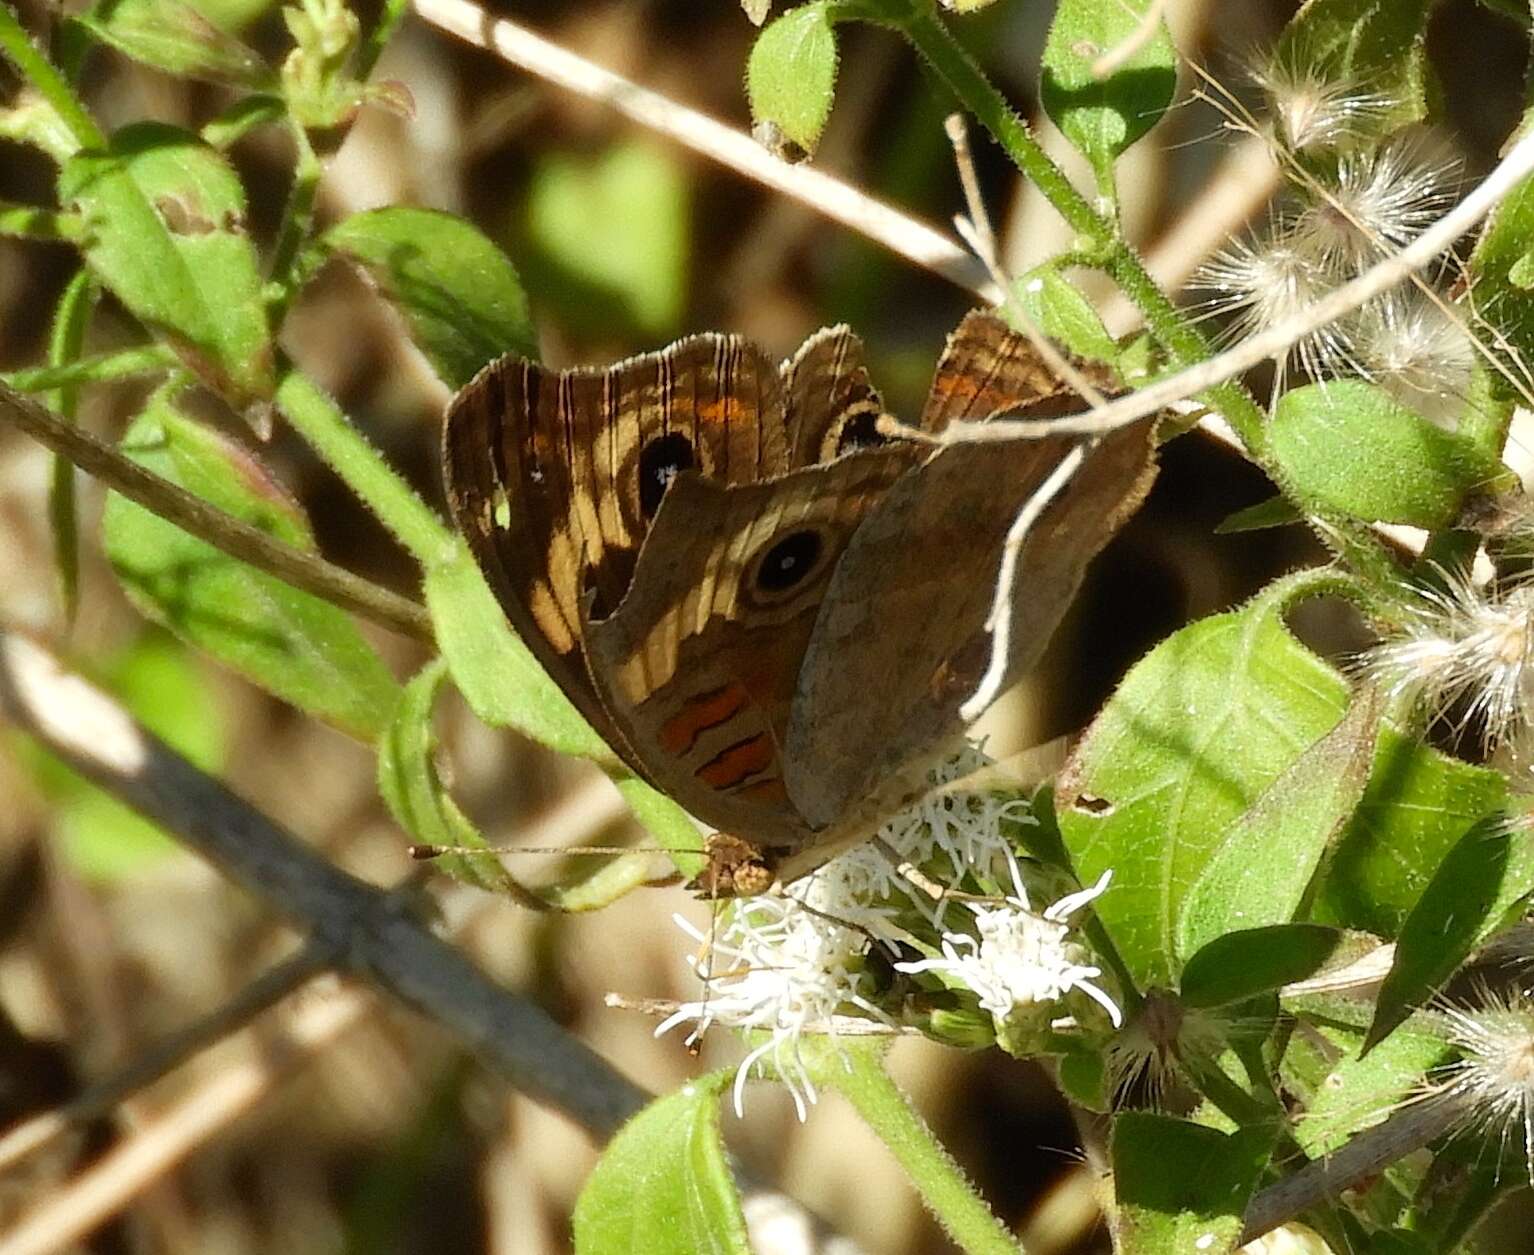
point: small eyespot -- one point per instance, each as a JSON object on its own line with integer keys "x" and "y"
{"x": 661, "y": 461}
{"x": 861, "y": 431}
{"x": 789, "y": 562}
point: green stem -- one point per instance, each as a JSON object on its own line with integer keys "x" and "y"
{"x": 35, "y": 223}
{"x": 70, "y": 320}
{"x": 857, "y": 1073}
{"x": 378, "y": 38}
{"x": 344, "y": 449}
{"x": 1099, "y": 239}
{"x": 297, "y": 222}
{"x": 46, "y": 79}
{"x": 1102, "y": 241}
{"x": 143, "y": 360}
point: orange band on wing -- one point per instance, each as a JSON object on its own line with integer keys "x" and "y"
{"x": 708, "y": 710}
{"x": 739, "y": 762}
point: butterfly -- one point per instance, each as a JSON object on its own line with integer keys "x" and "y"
{"x": 769, "y": 604}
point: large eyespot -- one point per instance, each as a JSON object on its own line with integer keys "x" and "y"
{"x": 786, "y": 564}
{"x": 861, "y": 431}
{"x": 661, "y": 461}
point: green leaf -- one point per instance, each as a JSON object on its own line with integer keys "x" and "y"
{"x": 71, "y": 317}
{"x": 1417, "y": 805}
{"x": 1191, "y": 739}
{"x": 496, "y": 673}
{"x": 174, "y": 36}
{"x": 291, "y": 643}
{"x": 1276, "y": 511}
{"x": 1241, "y": 965}
{"x": 1488, "y": 871}
{"x": 1058, "y": 308}
{"x": 504, "y": 685}
{"x": 1502, "y": 271}
{"x": 610, "y": 239}
{"x": 458, "y": 292}
{"x": 413, "y": 792}
{"x": 165, "y": 230}
{"x": 411, "y": 789}
{"x": 1360, "y": 1092}
{"x": 1373, "y": 46}
{"x": 1259, "y": 870}
{"x": 1103, "y": 117}
{"x": 1182, "y": 1187}
{"x": 1346, "y": 446}
{"x": 662, "y": 1186}
{"x": 791, "y": 74}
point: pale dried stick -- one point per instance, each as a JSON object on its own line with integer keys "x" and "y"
{"x": 839, "y": 201}
{"x": 1384, "y": 275}
{"x": 66, "y": 1215}
{"x": 1126, "y": 48}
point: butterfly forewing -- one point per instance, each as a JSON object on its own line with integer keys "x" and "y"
{"x": 554, "y": 477}
{"x": 832, "y": 404}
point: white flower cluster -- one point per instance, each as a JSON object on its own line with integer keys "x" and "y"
{"x": 1466, "y": 646}
{"x": 1355, "y": 202}
{"x": 795, "y": 964}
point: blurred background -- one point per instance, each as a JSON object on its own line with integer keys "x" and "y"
{"x": 380, "y": 1134}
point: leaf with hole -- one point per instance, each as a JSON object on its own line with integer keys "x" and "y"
{"x": 1102, "y": 116}
{"x": 1196, "y": 732}
{"x": 164, "y": 219}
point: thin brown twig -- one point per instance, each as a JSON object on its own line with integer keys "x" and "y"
{"x": 67, "y": 1214}
{"x": 166, "y": 1055}
{"x": 842, "y": 202}
{"x": 375, "y": 935}
{"x": 233, "y": 536}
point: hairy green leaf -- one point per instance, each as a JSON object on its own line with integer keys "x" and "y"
{"x": 165, "y": 231}
{"x": 176, "y": 37}
{"x": 1347, "y": 446}
{"x": 290, "y": 642}
{"x": 1103, "y": 117}
{"x": 1240, "y": 965}
{"x": 459, "y": 293}
{"x": 662, "y": 1185}
{"x": 791, "y": 74}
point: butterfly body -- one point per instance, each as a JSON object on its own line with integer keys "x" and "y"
{"x": 769, "y": 609}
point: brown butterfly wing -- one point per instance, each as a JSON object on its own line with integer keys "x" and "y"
{"x": 832, "y": 404}
{"x": 555, "y": 477}
{"x": 701, "y": 662}
{"x": 910, "y": 599}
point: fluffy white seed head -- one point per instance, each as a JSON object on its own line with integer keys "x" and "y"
{"x": 1416, "y": 351}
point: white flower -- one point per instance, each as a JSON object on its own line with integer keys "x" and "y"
{"x": 1465, "y": 644}
{"x": 793, "y": 964}
{"x": 1417, "y": 351}
{"x": 1494, "y": 1077}
{"x": 1020, "y": 958}
{"x": 1312, "y": 111}
{"x": 1378, "y": 200}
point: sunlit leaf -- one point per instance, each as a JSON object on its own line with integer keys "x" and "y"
{"x": 165, "y": 231}
{"x": 662, "y": 1185}
{"x": 174, "y": 36}
{"x": 1192, "y": 738}
{"x": 290, "y": 642}
{"x": 791, "y": 74}
{"x": 459, "y": 293}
